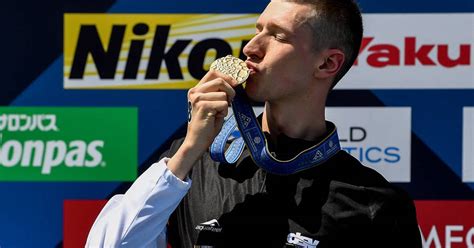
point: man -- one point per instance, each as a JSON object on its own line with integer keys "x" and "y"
{"x": 301, "y": 49}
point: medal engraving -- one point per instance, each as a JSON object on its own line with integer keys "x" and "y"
{"x": 233, "y": 67}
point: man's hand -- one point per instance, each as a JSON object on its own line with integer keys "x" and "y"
{"x": 209, "y": 101}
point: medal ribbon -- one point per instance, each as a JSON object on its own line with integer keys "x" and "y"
{"x": 252, "y": 136}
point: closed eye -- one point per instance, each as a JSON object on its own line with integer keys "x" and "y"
{"x": 281, "y": 38}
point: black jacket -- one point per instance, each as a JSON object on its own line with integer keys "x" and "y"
{"x": 340, "y": 203}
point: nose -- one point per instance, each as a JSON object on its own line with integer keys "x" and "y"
{"x": 254, "y": 49}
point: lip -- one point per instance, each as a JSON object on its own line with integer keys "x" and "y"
{"x": 253, "y": 69}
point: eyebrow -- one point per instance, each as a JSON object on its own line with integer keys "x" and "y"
{"x": 275, "y": 26}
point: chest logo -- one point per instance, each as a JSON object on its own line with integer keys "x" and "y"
{"x": 301, "y": 241}
{"x": 212, "y": 226}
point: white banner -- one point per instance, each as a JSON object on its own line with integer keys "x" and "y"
{"x": 379, "y": 137}
{"x": 468, "y": 145}
{"x": 414, "y": 51}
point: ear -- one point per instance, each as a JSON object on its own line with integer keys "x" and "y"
{"x": 330, "y": 63}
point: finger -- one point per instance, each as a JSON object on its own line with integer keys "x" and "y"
{"x": 208, "y": 96}
{"x": 218, "y": 124}
{"x": 207, "y": 109}
{"x": 221, "y": 109}
{"x": 222, "y": 113}
{"x": 213, "y": 74}
{"x": 216, "y": 85}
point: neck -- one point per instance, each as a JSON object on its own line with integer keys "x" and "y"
{"x": 300, "y": 120}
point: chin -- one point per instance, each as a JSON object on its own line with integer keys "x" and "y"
{"x": 253, "y": 94}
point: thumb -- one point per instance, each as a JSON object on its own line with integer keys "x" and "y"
{"x": 218, "y": 124}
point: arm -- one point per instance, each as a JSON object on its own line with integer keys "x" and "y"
{"x": 406, "y": 229}
{"x": 399, "y": 223}
{"x": 209, "y": 102}
{"x": 138, "y": 218}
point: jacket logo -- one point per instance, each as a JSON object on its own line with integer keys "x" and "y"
{"x": 211, "y": 226}
{"x": 301, "y": 241}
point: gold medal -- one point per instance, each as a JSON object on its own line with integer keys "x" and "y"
{"x": 233, "y": 67}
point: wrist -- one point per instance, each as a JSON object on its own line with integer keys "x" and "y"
{"x": 183, "y": 160}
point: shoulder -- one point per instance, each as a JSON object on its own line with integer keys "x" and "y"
{"x": 345, "y": 168}
{"x": 363, "y": 204}
{"x": 350, "y": 180}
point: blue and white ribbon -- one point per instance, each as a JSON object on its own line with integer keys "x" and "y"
{"x": 252, "y": 136}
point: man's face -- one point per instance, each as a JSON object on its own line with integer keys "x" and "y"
{"x": 281, "y": 54}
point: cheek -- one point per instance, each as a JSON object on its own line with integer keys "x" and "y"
{"x": 292, "y": 70}
{"x": 284, "y": 65}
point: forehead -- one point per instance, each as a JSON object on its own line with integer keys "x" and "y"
{"x": 287, "y": 15}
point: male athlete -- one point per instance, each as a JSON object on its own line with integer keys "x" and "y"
{"x": 300, "y": 50}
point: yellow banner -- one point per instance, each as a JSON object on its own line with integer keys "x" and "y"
{"x": 148, "y": 51}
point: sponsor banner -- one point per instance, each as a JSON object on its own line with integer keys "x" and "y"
{"x": 164, "y": 51}
{"x": 468, "y": 145}
{"x": 409, "y": 51}
{"x": 379, "y": 137}
{"x": 79, "y": 215}
{"x": 68, "y": 144}
{"x": 446, "y": 223}
{"x": 123, "y": 51}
